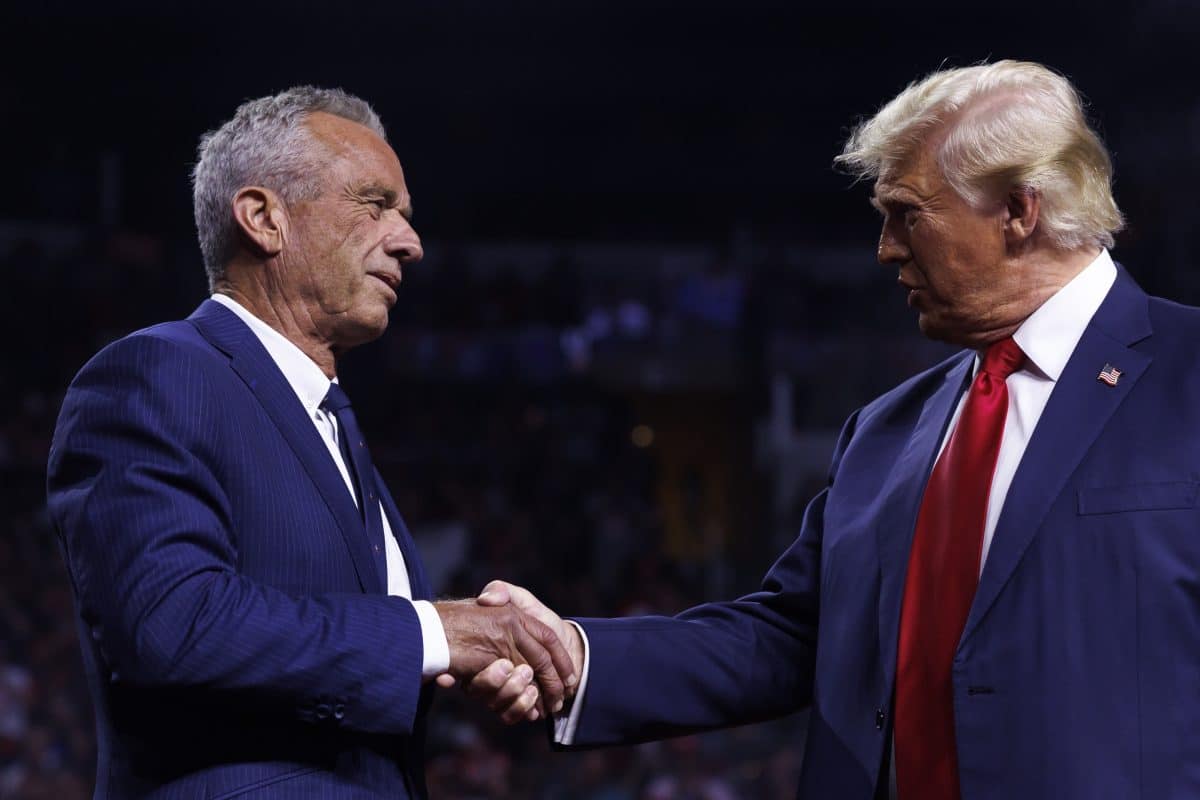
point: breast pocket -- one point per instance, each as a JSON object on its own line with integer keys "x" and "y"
{"x": 1139, "y": 497}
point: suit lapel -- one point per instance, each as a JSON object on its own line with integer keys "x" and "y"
{"x": 254, "y": 365}
{"x": 902, "y": 495}
{"x": 417, "y": 579}
{"x": 1074, "y": 417}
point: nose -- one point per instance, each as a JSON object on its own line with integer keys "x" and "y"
{"x": 403, "y": 243}
{"x": 893, "y": 247}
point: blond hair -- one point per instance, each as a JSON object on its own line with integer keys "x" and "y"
{"x": 1003, "y": 126}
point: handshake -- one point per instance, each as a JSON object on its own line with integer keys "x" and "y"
{"x": 503, "y": 640}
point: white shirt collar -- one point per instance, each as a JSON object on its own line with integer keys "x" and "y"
{"x": 302, "y": 373}
{"x": 1049, "y": 335}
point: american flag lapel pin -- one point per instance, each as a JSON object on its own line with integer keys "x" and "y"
{"x": 1109, "y": 375}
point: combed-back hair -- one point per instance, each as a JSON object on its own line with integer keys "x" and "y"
{"x": 998, "y": 127}
{"x": 265, "y": 144}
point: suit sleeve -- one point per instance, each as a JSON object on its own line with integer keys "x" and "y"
{"x": 715, "y": 665}
{"x": 147, "y": 534}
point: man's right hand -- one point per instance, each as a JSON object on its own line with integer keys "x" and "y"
{"x": 495, "y": 685}
{"x": 480, "y": 635}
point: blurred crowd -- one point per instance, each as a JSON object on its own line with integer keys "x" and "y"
{"x": 509, "y": 451}
{"x": 624, "y": 429}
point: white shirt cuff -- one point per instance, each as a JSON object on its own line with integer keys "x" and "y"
{"x": 437, "y": 649}
{"x": 567, "y": 720}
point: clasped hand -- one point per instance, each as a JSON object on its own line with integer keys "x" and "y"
{"x": 511, "y": 652}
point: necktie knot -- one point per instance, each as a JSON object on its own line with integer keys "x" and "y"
{"x": 335, "y": 400}
{"x": 1003, "y": 359}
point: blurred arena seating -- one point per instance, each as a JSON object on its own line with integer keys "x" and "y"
{"x": 592, "y": 421}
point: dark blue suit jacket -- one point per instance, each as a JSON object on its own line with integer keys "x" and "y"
{"x": 1078, "y": 674}
{"x": 235, "y": 626}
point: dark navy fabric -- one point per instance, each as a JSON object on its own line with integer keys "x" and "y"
{"x": 1078, "y": 674}
{"x": 235, "y": 627}
{"x": 353, "y": 445}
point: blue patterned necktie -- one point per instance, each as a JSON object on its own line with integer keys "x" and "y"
{"x": 358, "y": 461}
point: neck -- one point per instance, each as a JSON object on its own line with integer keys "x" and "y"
{"x": 1044, "y": 273}
{"x": 1063, "y": 265}
{"x": 280, "y": 312}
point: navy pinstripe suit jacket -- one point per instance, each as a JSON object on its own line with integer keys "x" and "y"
{"x": 1076, "y": 675}
{"x": 235, "y": 627}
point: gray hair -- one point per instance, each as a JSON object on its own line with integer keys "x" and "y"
{"x": 1012, "y": 124}
{"x": 265, "y": 144}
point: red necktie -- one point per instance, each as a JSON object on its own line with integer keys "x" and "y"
{"x": 943, "y": 573}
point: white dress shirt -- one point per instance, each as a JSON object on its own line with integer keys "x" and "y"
{"x": 310, "y": 385}
{"x": 1047, "y": 337}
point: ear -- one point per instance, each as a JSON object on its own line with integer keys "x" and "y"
{"x": 1022, "y": 206}
{"x": 262, "y": 219}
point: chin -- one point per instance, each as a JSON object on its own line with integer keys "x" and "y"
{"x": 932, "y": 328}
{"x": 361, "y": 331}
{"x": 377, "y": 329}
{"x": 959, "y": 335}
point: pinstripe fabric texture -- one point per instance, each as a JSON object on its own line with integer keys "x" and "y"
{"x": 236, "y": 635}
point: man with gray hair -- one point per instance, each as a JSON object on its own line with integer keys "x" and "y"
{"x": 254, "y": 616}
{"x": 995, "y": 596}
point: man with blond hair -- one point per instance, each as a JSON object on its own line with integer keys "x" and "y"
{"x": 997, "y": 595}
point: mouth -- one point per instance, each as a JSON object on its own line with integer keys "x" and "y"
{"x": 914, "y": 291}
{"x": 388, "y": 279}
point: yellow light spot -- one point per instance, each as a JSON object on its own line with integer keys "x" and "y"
{"x": 642, "y": 436}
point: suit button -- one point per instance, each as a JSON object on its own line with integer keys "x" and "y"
{"x": 880, "y": 717}
{"x": 339, "y": 711}
{"x": 323, "y": 711}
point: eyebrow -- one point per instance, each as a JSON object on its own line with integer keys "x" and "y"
{"x": 894, "y": 197}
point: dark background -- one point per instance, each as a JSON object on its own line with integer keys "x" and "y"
{"x": 647, "y": 304}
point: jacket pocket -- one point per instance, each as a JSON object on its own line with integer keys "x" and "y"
{"x": 1138, "y": 497}
{"x": 267, "y": 781}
